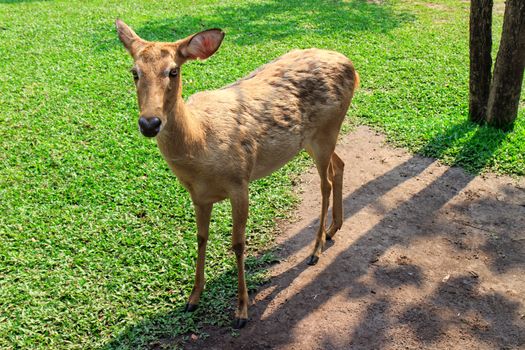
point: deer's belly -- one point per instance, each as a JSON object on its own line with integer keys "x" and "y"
{"x": 274, "y": 155}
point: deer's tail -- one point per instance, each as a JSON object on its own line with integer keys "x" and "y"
{"x": 356, "y": 80}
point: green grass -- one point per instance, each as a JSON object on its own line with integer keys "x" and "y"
{"x": 97, "y": 242}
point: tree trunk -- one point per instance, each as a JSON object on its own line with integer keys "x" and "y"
{"x": 504, "y": 97}
{"x": 480, "y": 58}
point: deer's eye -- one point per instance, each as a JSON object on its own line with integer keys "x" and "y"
{"x": 135, "y": 74}
{"x": 174, "y": 72}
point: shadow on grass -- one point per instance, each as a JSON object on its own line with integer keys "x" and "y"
{"x": 497, "y": 315}
{"x": 467, "y": 144}
{"x": 252, "y": 23}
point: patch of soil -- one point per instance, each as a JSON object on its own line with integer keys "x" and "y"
{"x": 429, "y": 257}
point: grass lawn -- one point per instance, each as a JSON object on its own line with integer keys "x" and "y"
{"x": 97, "y": 238}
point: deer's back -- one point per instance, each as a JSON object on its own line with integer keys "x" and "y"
{"x": 292, "y": 89}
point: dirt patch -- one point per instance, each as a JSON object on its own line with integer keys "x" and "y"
{"x": 499, "y": 8}
{"x": 429, "y": 257}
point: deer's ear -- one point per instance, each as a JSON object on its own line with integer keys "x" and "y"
{"x": 131, "y": 41}
{"x": 201, "y": 45}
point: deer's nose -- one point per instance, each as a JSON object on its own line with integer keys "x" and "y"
{"x": 149, "y": 126}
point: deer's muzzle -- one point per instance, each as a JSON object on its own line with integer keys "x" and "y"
{"x": 149, "y": 127}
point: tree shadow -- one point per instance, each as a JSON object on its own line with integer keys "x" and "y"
{"x": 253, "y": 23}
{"x": 477, "y": 152}
{"x": 506, "y": 250}
{"x": 460, "y": 303}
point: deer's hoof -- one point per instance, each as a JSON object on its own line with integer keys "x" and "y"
{"x": 313, "y": 260}
{"x": 190, "y": 307}
{"x": 239, "y": 323}
{"x": 328, "y": 237}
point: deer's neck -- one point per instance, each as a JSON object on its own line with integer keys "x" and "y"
{"x": 183, "y": 135}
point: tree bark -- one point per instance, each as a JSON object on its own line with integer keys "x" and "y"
{"x": 480, "y": 58}
{"x": 504, "y": 97}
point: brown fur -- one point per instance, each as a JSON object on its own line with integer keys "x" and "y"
{"x": 218, "y": 141}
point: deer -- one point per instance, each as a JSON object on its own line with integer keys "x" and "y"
{"x": 217, "y": 142}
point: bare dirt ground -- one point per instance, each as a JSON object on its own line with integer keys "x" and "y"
{"x": 429, "y": 257}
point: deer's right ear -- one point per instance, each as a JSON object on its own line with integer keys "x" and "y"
{"x": 201, "y": 45}
{"x": 131, "y": 41}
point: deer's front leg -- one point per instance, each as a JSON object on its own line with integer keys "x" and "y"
{"x": 202, "y": 214}
{"x": 239, "y": 202}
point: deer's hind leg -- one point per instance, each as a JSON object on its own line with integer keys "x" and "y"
{"x": 336, "y": 176}
{"x": 321, "y": 149}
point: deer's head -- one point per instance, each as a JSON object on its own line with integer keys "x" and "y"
{"x": 156, "y": 71}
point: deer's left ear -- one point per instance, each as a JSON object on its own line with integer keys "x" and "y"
{"x": 131, "y": 41}
{"x": 201, "y": 45}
